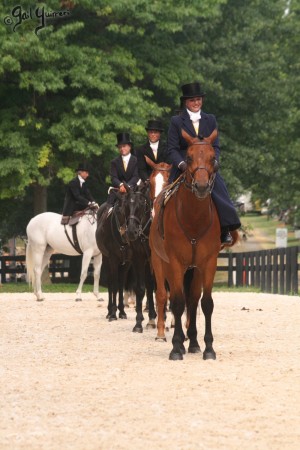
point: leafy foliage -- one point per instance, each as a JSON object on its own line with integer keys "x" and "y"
{"x": 109, "y": 66}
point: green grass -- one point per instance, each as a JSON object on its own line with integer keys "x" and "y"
{"x": 268, "y": 227}
{"x": 66, "y": 287}
{"x": 55, "y": 288}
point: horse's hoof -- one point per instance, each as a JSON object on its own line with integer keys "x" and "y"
{"x": 174, "y": 356}
{"x": 182, "y": 349}
{"x": 100, "y": 299}
{"x": 195, "y": 349}
{"x": 112, "y": 318}
{"x": 40, "y": 299}
{"x": 209, "y": 355}
{"x": 78, "y": 299}
{"x": 137, "y": 329}
{"x": 150, "y": 326}
{"x": 161, "y": 339}
{"x": 122, "y": 316}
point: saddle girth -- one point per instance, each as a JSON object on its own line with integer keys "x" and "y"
{"x": 75, "y": 243}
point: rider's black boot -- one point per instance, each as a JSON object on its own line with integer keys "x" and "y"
{"x": 226, "y": 238}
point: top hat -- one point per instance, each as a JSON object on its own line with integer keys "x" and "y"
{"x": 191, "y": 90}
{"x": 123, "y": 138}
{"x": 154, "y": 124}
{"x": 83, "y": 167}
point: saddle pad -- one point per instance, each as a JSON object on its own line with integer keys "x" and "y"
{"x": 74, "y": 220}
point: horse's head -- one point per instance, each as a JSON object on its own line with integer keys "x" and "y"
{"x": 202, "y": 164}
{"x": 159, "y": 177}
{"x": 137, "y": 204}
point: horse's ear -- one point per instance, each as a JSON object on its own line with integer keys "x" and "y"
{"x": 211, "y": 139}
{"x": 189, "y": 139}
{"x": 139, "y": 186}
{"x": 149, "y": 162}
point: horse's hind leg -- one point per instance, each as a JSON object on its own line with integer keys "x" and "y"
{"x": 41, "y": 256}
{"x": 97, "y": 266}
{"x": 161, "y": 300}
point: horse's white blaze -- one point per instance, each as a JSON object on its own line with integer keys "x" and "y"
{"x": 46, "y": 235}
{"x": 159, "y": 184}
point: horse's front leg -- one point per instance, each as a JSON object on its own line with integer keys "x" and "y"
{"x": 140, "y": 293}
{"x": 110, "y": 302}
{"x": 160, "y": 295}
{"x": 177, "y": 296}
{"x": 192, "y": 302}
{"x": 149, "y": 281}
{"x": 113, "y": 282}
{"x": 97, "y": 267}
{"x": 86, "y": 258}
{"x": 207, "y": 306}
{"x": 122, "y": 274}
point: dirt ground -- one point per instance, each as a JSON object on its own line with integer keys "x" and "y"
{"x": 72, "y": 380}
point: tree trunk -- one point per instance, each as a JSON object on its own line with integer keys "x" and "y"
{"x": 39, "y": 199}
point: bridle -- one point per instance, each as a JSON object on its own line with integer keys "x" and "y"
{"x": 91, "y": 215}
{"x": 192, "y": 185}
{"x": 141, "y": 227}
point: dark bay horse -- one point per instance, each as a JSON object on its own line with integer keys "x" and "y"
{"x": 123, "y": 239}
{"x": 191, "y": 239}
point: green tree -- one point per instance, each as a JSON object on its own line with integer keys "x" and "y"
{"x": 110, "y": 65}
{"x": 67, "y": 89}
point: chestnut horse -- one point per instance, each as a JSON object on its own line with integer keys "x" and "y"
{"x": 191, "y": 239}
{"x": 159, "y": 177}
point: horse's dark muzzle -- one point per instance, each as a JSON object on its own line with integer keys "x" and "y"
{"x": 201, "y": 191}
{"x": 132, "y": 231}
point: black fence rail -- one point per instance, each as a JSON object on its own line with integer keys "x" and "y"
{"x": 275, "y": 271}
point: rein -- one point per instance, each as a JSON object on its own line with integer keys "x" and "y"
{"x": 138, "y": 220}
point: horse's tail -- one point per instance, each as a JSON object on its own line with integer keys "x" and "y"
{"x": 29, "y": 264}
